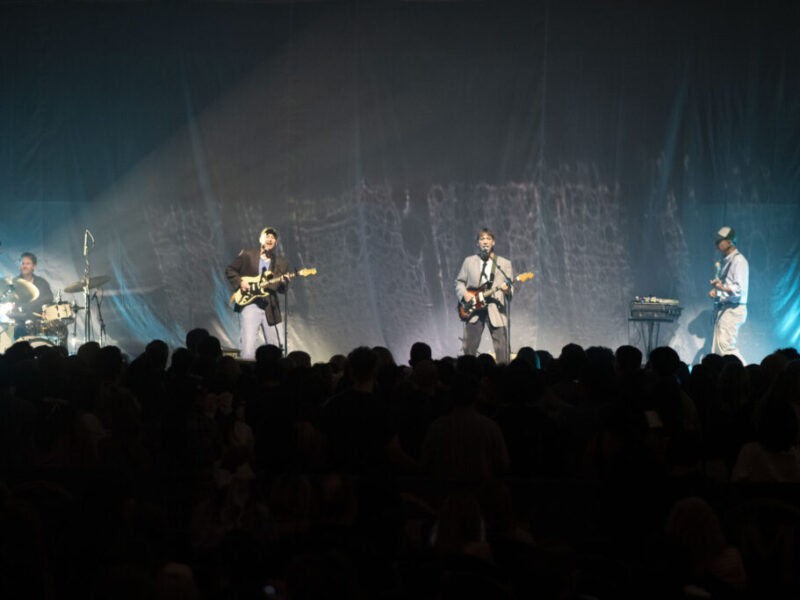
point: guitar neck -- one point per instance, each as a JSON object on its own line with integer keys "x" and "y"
{"x": 496, "y": 288}
{"x": 263, "y": 284}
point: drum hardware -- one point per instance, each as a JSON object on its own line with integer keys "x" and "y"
{"x": 34, "y": 327}
{"x": 98, "y": 302}
{"x": 86, "y": 284}
{"x": 94, "y": 282}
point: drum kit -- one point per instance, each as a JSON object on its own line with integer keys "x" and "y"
{"x": 50, "y": 327}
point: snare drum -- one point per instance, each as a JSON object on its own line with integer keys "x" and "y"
{"x": 59, "y": 313}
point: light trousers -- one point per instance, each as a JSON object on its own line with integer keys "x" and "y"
{"x": 253, "y": 320}
{"x": 726, "y": 330}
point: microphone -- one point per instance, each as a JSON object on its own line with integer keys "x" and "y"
{"x": 87, "y": 235}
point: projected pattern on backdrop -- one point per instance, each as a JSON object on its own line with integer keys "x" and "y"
{"x": 609, "y": 162}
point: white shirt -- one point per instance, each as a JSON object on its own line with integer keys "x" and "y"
{"x": 734, "y": 274}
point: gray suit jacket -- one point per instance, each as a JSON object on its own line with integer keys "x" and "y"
{"x": 469, "y": 277}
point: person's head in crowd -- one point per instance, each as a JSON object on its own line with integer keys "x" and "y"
{"x": 467, "y": 363}
{"x": 731, "y": 359}
{"x": 733, "y": 385}
{"x": 425, "y": 376}
{"x": 338, "y": 363}
{"x": 628, "y": 360}
{"x": 209, "y": 348}
{"x": 445, "y": 371}
{"x": 268, "y": 366}
{"x": 181, "y": 362}
{"x": 772, "y": 365}
{"x": 19, "y": 351}
{"x": 301, "y": 359}
{"x": 486, "y": 362}
{"x": 362, "y": 363}
{"x": 323, "y": 374}
{"x": 419, "y": 351}
{"x": 227, "y": 371}
{"x": 268, "y": 352}
{"x": 194, "y": 337}
{"x": 384, "y": 356}
{"x": 528, "y": 354}
{"x": 545, "y": 358}
{"x": 600, "y": 365}
{"x": 89, "y": 352}
{"x": 664, "y": 361}
{"x": 789, "y": 353}
{"x": 157, "y": 354}
{"x": 572, "y": 362}
{"x": 110, "y": 364}
{"x": 758, "y": 383}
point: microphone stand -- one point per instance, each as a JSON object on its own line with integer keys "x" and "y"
{"x": 510, "y": 283}
{"x": 286, "y": 322}
{"x": 100, "y": 318}
{"x": 87, "y": 301}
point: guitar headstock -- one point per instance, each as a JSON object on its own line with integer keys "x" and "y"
{"x": 524, "y": 276}
{"x": 306, "y": 272}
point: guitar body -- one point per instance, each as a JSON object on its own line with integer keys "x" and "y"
{"x": 478, "y": 298}
{"x": 255, "y": 285}
{"x": 258, "y": 286}
{"x": 476, "y": 302}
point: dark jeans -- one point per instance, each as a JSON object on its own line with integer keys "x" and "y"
{"x": 472, "y": 337}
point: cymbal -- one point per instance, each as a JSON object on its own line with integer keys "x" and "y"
{"x": 18, "y": 290}
{"x": 94, "y": 282}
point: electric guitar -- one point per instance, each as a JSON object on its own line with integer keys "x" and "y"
{"x": 717, "y": 272}
{"x": 257, "y": 286}
{"x": 477, "y": 298}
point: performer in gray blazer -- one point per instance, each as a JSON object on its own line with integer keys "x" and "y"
{"x": 494, "y": 272}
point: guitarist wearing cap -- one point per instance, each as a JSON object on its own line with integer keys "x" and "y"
{"x": 262, "y": 313}
{"x": 485, "y": 270}
{"x": 729, "y": 293}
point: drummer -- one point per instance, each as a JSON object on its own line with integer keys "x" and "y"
{"x": 30, "y": 312}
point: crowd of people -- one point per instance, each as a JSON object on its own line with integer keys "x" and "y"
{"x": 593, "y": 474}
